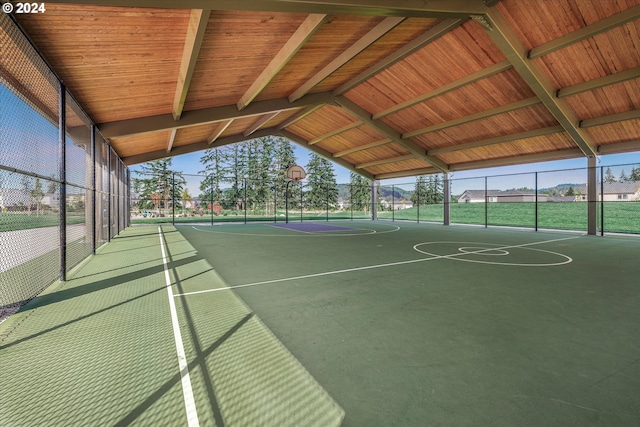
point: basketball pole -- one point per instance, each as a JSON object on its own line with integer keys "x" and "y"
{"x": 286, "y": 203}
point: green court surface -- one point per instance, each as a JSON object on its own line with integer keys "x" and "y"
{"x": 357, "y": 323}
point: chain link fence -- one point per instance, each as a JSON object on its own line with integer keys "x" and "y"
{"x": 63, "y": 191}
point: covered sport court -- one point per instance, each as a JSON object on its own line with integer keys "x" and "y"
{"x": 354, "y": 323}
{"x": 380, "y": 323}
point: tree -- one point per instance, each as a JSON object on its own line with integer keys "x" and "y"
{"x": 634, "y": 176}
{"x": 360, "y": 192}
{"x": 608, "y": 177}
{"x": 420, "y": 194}
{"x": 570, "y": 192}
{"x": 214, "y": 164}
{"x": 623, "y": 177}
{"x": 186, "y": 198}
{"x": 37, "y": 195}
{"x": 158, "y": 179}
{"x": 284, "y": 158}
{"x": 323, "y": 192}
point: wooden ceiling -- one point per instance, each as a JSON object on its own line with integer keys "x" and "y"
{"x": 386, "y": 88}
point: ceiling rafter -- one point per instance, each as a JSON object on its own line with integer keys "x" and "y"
{"x": 386, "y": 161}
{"x": 609, "y": 80}
{"x": 260, "y": 122}
{"x": 290, "y": 48}
{"x": 335, "y": 132}
{"x": 304, "y": 143}
{"x": 523, "y": 103}
{"x": 570, "y": 153}
{"x": 407, "y": 173}
{"x": 196, "y": 29}
{"x": 172, "y": 138}
{"x": 406, "y": 8}
{"x": 419, "y": 42}
{"x": 611, "y": 118}
{"x": 498, "y": 140}
{"x": 299, "y": 116}
{"x": 363, "y": 147}
{"x": 387, "y": 131}
{"x": 219, "y": 131}
{"x": 583, "y": 33}
{"x": 441, "y": 90}
{"x": 208, "y": 115}
{"x": 364, "y": 42}
{"x": 508, "y": 42}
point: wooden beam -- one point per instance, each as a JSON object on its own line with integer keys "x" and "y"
{"x": 335, "y": 132}
{"x": 583, "y": 33}
{"x": 172, "y": 138}
{"x": 611, "y": 118}
{"x": 476, "y": 116}
{"x": 363, "y": 147}
{"x": 196, "y": 28}
{"x": 620, "y": 147}
{"x": 365, "y": 41}
{"x": 425, "y": 38}
{"x": 260, "y": 122}
{"x": 498, "y": 140}
{"x": 192, "y": 148}
{"x": 407, "y": 8}
{"x": 207, "y": 115}
{"x": 512, "y": 47}
{"x": 387, "y": 131}
{"x": 471, "y": 78}
{"x": 611, "y": 79}
{"x": 302, "y": 142}
{"x": 291, "y": 47}
{"x": 219, "y": 131}
{"x": 385, "y": 161}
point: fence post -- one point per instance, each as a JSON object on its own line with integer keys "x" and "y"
{"x": 418, "y": 202}
{"x": 592, "y": 219}
{"x": 173, "y": 198}
{"x": 393, "y": 203}
{"x": 62, "y": 119}
{"x": 245, "y": 200}
{"x": 536, "y": 199}
{"x": 486, "y": 204}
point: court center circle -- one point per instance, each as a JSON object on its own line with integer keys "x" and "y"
{"x": 478, "y": 250}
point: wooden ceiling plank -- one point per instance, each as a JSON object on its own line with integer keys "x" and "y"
{"x": 327, "y": 155}
{"x": 207, "y": 115}
{"x": 291, "y": 47}
{"x": 425, "y": 38}
{"x": 477, "y": 116}
{"x": 512, "y": 47}
{"x": 404, "y": 174}
{"x": 335, "y": 132}
{"x": 387, "y": 131}
{"x": 219, "y": 131}
{"x": 363, "y": 147}
{"x": 571, "y": 153}
{"x": 601, "y": 26}
{"x": 365, "y": 41}
{"x": 172, "y": 138}
{"x": 611, "y": 118}
{"x": 407, "y": 8}
{"x": 471, "y": 78}
{"x": 609, "y": 80}
{"x": 260, "y": 122}
{"x": 299, "y": 116}
{"x": 498, "y": 140}
{"x": 385, "y": 161}
{"x": 195, "y": 34}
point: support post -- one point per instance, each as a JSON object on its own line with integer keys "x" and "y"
{"x": 374, "y": 199}
{"x": 62, "y": 123}
{"x": 592, "y": 212}
{"x": 602, "y": 200}
{"x": 93, "y": 186}
{"x": 486, "y": 204}
{"x": 447, "y": 200}
{"x": 393, "y": 203}
{"x": 536, "y": 207}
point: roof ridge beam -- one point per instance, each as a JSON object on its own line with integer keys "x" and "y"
{"x": 308, "y": 27}
{"x": 508, "y": 42}
{"x": 208, "y": 115}
{"x": 419, "y": 42}
{"x": 523, "y": 103}
{"x": 387, "y": 131}
{"x": 498, "y": 140}
{"x": 383, "y": 27}
{"x": 441, "y": 90}
{"x": 197, "y": 26}
{"x": 363, "y": 147}
{"x": 327, "y": 155}
{"x": 583, "y": 33}
{"x": 593, "y": 84}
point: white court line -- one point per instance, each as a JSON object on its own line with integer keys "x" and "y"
{"x": 187, "y": 391}
{"x": 369, "y": 267}
{"x": 305, "y": 233}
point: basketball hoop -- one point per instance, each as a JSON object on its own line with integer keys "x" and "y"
{"x": 296, "y": 173}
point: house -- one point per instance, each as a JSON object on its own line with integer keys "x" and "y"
{"x": 613, "y": 192}
{"x": 495, "y": 196}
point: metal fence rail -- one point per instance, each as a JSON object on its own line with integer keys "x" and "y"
{"x": 63, "y": 190}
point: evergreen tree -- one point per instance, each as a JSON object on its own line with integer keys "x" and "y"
{"x": 322, "y": 182}
{"x": 284, "y": 158}
{"x": 570, "y": 192}
{"x": 608, "y": 176}
{"x": 37, "y": 195}
{"x": 234, "y": 196}
{"x": 634, "y": 176}
{"x": 360, "y": 192}
{"x": 215, "y": 167}
{"x": 159, "y": 185}
{"x": 420, "y": 195}
{"x": 623, "y": 177}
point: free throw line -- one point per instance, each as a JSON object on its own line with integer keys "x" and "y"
{"x": 368, "y": 267}
{"x": 187, "y": 390}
